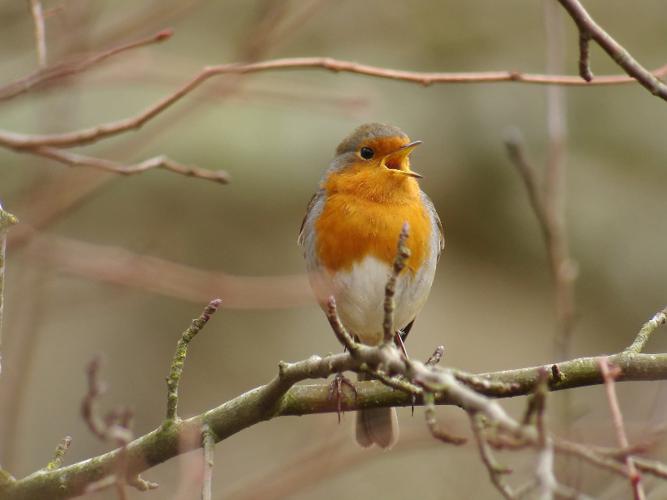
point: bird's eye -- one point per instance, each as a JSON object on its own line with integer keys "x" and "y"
{"x": 366, "y": 153}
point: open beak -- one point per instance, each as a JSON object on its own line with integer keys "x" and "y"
{"x": 398, "y": 160}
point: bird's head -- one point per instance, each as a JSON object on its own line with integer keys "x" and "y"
{"x": 374, "y": 161}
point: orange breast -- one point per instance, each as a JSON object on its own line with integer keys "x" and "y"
{"x": 352, "y": 227}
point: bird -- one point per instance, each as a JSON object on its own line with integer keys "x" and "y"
{"x": 349, "y": 239}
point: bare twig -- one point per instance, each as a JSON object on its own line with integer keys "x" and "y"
{"x": 544, "y": 473}
{"x": 435, "y": 358}
{"x": 652, "y": 467}
{"x": 40, "y": 31}
{"x": 163, "y": 162}
{"x": 57, "y": 460}
{"x": 122, "y": 267}
{"x": 89, "y": 409}
{"x": 496, "y": 471}
{"x": 32, "y": 143}
{"x": 89, "y": 135}
{"x": 646, "y": 331}
{"x": 558, "y": 251}
{"x": 104, "y": 427}
{"x": 589, "y": 29}
{"x": 6, "y": 221}
{"x": 437, "y": 431}
{"x": 482, "y": 384}
{"x": 339, "y": 330}
{"x": 208, "y": 444}
{"x": 549, "y": 216}
{"x": 589, "y": 455}
{"x": 609, "y": 374}
{"x": 584, "y": 61}
{"x": 529, "y": 175}
{"x": 402, "y": 255}
{"x": 176, "y": 369}
{"x": 68, "y": 68}
{"x": 114, "y": 427}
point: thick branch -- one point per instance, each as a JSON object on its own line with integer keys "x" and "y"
{"x": 279, "y": 398}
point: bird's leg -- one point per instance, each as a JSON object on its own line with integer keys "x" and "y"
{"x": 336, "y": 387}
{"x": 336, "y": 391}
{"x": 398, "y": 340}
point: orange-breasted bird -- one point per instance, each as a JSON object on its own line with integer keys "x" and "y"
{"x": 349, "y": 237}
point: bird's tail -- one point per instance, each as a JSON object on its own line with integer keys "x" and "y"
{"x": 376, "y": 426}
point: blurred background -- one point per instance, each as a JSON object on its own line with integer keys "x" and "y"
{"x": 119, "y": 265}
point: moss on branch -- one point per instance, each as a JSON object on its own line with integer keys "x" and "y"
{"x": 281, "y": 397}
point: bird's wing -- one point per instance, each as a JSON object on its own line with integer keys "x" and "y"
{"x": 312, "y": 204}
{"x": 438, "y": 222}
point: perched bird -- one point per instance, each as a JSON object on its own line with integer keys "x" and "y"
{"x": 349, "y": 238}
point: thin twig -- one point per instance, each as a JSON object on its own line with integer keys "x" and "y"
{"x": 590, "y": 29}
{"x": 647, "y": 329}
{"x": 68, "y": 68}
{"x": 89, "y": 410}
{"x": 587, "y": 454}
{"x": 176, "y": 369}
{"x": 89, "y": 135}
{"x": 163, "y": 162}
{"x": 517, "y": 154}
{"x": 208, "y": 443}
{"x": 395, "y": 382}
{"x": 6, "y": 221}
{"x": 339, "y": 330}
{"x": 558, "y": 251}
{"x": 548, "y": 213}
{"x": 584, "y": 56}
{"x": 496, "y": 471}
{"x": 58, "y": 456}
{"x": 482, "y": 385}
{"x": 114, "y": 427}
{"x": 435, "y": 358}
{"x": 402, "y": 256}
{"x": 609, "y": 374}
{"x": 437, "y": 431}
{"x": 652, "y": 467}
{"x": 122, "y": 267}
{"x": 544, "y": 473}
{"x": 40, "y": 31}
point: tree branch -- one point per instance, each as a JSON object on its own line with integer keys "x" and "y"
{"x": 208, "y": 443}
{"x": 589, "y": 29}
{"x": 176, "y": 370}
{"x": 58, "y": 456}
{"x": 6, "y": 221}
{"x": 646, "y": 331}
{"x": 281, "y": 397}
{"x": 163, "y": 162}
{"x": 40, "y": 31}
{"x": 609, "y": 374}
{"x": 85, "y": 136}
{"x": 69, "y": 68}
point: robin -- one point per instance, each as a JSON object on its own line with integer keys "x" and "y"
{"x": 349, "y": 237}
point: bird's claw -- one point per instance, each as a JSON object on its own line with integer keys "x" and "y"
{"x": 336, "y": 391}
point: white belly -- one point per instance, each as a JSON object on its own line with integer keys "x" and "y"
{"x": 359, "y": 294}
